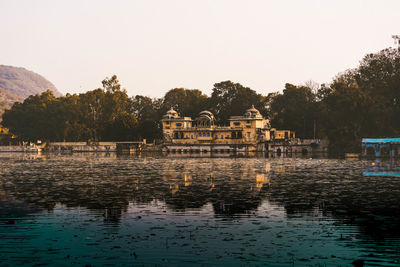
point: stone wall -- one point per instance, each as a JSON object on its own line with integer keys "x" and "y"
{"x": 82, "y": 147}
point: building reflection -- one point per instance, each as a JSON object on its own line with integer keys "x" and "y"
{"x": 383, "y": 168}
{"x": 232, "y": 186}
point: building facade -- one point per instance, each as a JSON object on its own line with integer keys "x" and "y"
{"x": 3, "y": 131}
{"x": 249, "y": 132}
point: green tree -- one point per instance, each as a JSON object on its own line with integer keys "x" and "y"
{"x": 344, "y": 116}
{"x": 103, "y": 114}
{"x": 92, "y": 111}
{"x": 33, "y": 119}
{"x": 363, "y": 102}
{"x": 116, "y": 120}
{"x": 187, "y": 102}
{"x": 229, "y": 98}
{"x": 75, "y": 128}
{"x": 379, "y": 76}
{"x": 296, "y": 110}
{"x": 148, "y": 113}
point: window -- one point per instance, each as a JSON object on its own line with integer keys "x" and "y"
{"x": 167, "y": 122}
{"x": 236, "y": 123}
{"x": 208, "y": 134}
{"x": 216, "y": 136}
{"x": 248, "y": 134}
{"x": 178, "y": 124}
{"x": 222, "y": 136}
{"x": 227, "y": 136}
{"x": 248, "y": 126}
{"x": 191, "y": 136}
{"x": 186, "y": 136}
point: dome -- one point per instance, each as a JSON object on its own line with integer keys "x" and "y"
{"x": 171, "y": 114}
{"x": 205, "y": 119}
{"x": 206, "y": 114}
{"x": 252, "y": 113}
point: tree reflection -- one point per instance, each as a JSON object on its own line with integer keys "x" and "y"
{"x": 107, "y": 187}
{"x": 233, "y": 187}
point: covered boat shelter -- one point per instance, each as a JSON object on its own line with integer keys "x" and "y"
{"x": 381, "y": 147}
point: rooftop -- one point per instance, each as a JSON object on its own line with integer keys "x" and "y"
{"x": 380, "y": 140}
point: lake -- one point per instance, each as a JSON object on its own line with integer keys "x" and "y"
{"x": 170, "y": 210}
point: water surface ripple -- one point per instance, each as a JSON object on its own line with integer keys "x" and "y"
{"x": 104, "y": 209}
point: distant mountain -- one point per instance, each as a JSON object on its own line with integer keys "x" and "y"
{"x": 16, "y": 84}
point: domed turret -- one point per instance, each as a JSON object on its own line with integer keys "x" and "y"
{"x": 205, "y": 119}
{"x": 252, "y": 113}
{"x": 171, "y": 114}
{"x": 207, "y": 114}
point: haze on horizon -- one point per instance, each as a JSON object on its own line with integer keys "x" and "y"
{"x": 154, "y": 46}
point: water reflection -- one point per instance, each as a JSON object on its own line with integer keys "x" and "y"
{"x": 106, "y": 185}
{"x": 388, "y": 168}
{"x": 230, "y": 188}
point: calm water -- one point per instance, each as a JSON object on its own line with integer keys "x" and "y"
{"x": 102, "y": 209}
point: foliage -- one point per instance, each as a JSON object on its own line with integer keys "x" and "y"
{"x": 188, "y": 102}
{"x": 343, "y": 112}
{"x": 98, "y": 115}
{"x": 147, "y": 111}
{"x": 364, "y": 102}
{"x": 295, "y": 109}
{"x": 361, "y": 102}
{"x": 229, "y": 98}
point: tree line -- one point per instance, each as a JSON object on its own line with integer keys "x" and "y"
{"x": 361, "y": 102}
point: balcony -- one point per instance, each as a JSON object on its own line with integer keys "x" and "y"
{"x": 204, "y": 138}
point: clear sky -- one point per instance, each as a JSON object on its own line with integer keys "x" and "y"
{"x": 153, "y": 46}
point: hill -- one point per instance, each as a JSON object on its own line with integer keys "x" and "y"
{"x": 16, "y": 84}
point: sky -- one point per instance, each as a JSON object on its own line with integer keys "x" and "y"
{"x": 156, "y": 45}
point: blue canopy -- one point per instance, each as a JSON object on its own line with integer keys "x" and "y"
{"x": 388, "y": 174}
{"x": 380, "y": 140}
